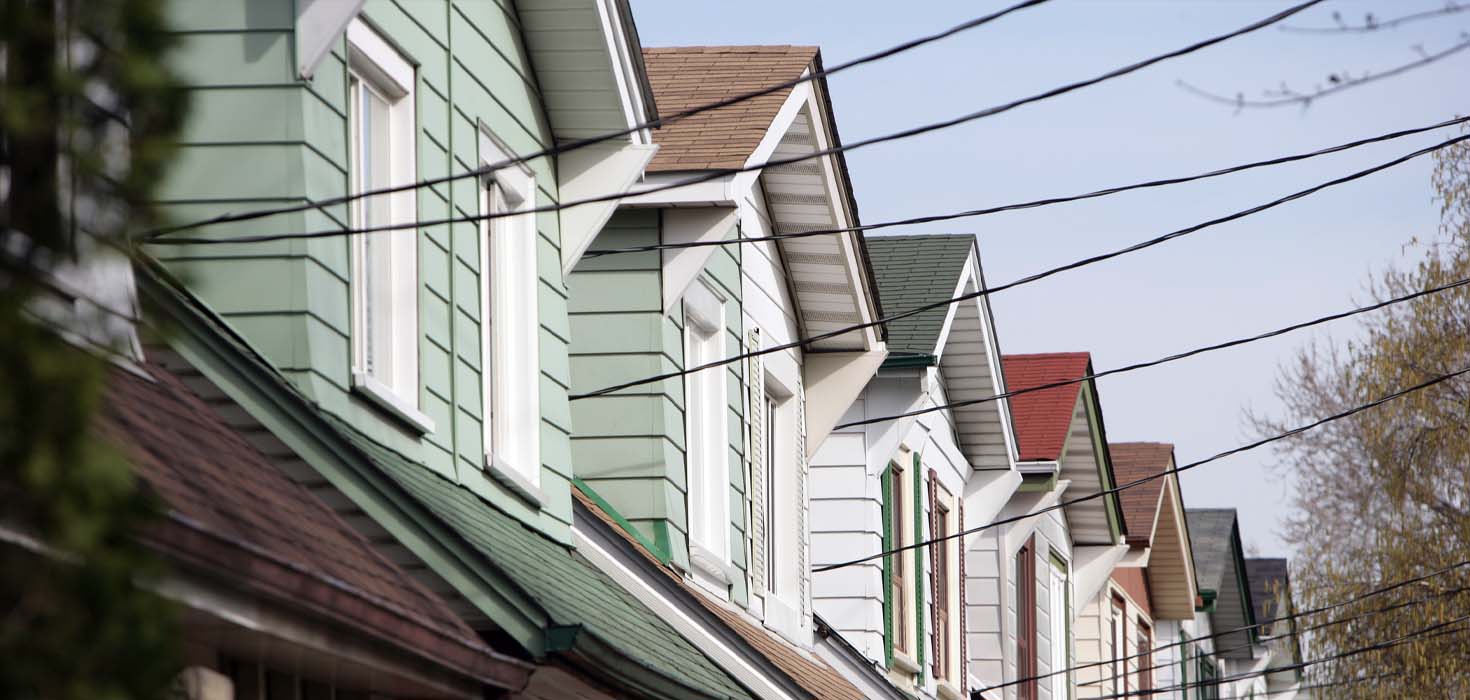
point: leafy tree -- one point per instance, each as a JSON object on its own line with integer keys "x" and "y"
{"x": 1385, "y": 495}
{"x": 88, "y": 114}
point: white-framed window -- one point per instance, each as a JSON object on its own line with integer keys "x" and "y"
{"x": 509, "y": 323}
{"x": 785, "y": 567}
{"x": 1061, "y": 613}
{"x": 707, "y": 440}
{"x": 384, "y": 275}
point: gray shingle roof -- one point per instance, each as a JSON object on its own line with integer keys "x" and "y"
{"x": 1268, "y": 579}
{"x": 570, "y": 589}
{"x": 914, "y": 270}
{"x": 1209, "y": 536}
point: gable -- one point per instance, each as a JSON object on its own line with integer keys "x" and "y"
{"x": 912, "y": 271}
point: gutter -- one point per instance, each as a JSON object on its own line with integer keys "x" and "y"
{"x": 844, "y": 652}
{"x": 909, "y": 360}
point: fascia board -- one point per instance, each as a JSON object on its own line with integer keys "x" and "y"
{"x": 718, "y": 192}
{"x": 689, "y": 618}
{"x": 289, "y": 417}
{"x": 625, "y": 53}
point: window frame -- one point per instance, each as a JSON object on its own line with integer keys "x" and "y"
{"x": 509, "y": 322}
{"x": 899, "y": 526}
{"x": 1119, "y": 633}
{"x": 707, "y": 440}
{"x": 1026, "y": 647}
{"x": 947, "y": 586}
{"x": 1144, "y": 633}
{"x": 1061, "y": 626}
{"x": 374, "y": 65}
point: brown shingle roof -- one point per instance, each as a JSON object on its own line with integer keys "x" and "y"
{"x": 684, "y": 77}
{"x": 813, "y": 675}
{"x": 1137, "y": 460}
{"x": 230, "y": 510}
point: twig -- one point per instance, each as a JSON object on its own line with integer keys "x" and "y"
{"x": 1372, "y": 24}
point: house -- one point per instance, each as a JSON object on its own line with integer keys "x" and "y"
{"x": 884, "y": 485}
{"x": 706, "y": 471}
{"x": 1279, "y": 654}
{"x": 416, "y": 379}
{"x": 1224, "y": 633}
{"x": 1147, "y": 602}
{"x": 1056, "y": 566}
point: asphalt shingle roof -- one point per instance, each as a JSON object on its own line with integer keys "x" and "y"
{"x": 1209, "y": 536}
{"x": 683, "y": 77}
{"x": 1139, "y": 460}
{"x": 1043, "y": 417}
{"x": 912, "y": 271}
{"x": 1268, "y": 579}
{"x": 569, "y": 588}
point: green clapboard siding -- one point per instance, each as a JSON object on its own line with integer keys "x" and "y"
{"x": 260, "y": 137}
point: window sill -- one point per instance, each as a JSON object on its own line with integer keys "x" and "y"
{"x": 710, "y": 570}
{"x": 514, "y": 481}
{"x": 947, "y": 691}
{"x": 902, "y": 662}
{"x": 389, "y": 401}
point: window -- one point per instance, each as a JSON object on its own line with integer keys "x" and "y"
{"x": 943, "y": 526}
{"x": 1061, "y": 615}
{"x": 384, "y": 275}
{"x": 509, "y": 326}
{"x": 1145, "y": 656}
{"x": 898, "y": 565}
{"x": 1026, "y": 620}
{"x": 1209, "y": 689}
{"x": 1116, "y": 626}
{"x": 707, "y": 448}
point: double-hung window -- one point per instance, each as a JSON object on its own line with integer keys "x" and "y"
{"x": 707, "y": 446}
{"x": 944, "y": 587}
{"x": 509, "y": 325}
{"x": 898, "y": 525}
{"x": 1026, "y": 648}
{"x": 1117, "y": 631}
{"x": 384, "y": 273}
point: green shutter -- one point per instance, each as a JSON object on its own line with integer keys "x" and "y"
{"x": 888, "y": 562}
{"x": 919, "y": 565}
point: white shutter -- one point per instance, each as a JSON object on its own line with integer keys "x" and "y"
{"x": 803, "y": 538}
{"x": 755, "y": 416}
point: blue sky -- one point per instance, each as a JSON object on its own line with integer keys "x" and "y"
{"x": 1301, "y": 260}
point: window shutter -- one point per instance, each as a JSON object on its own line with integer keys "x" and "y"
{"x": 935, "y": 552}
{"x": 755, "y": 456}
{"x": 888, "y": 564}
{"x": 960, "y": 548}
{"x": 919, "y": 564}
{"x": 801, "y": 503}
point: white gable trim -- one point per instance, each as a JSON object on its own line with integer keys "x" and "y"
{"x": 319, "y": 24}
{"x": 833, "y": 382}
{"x": 625, "y": 70}
{"x": 587, "y": 173}
{"x": 1091, "y": 567}
{"x": 681, "y": 266}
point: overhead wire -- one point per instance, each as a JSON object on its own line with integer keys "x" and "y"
{"x": 719, "y": 173}
{"x": 576, "y": 144}
{"x": 1028, "y": 279}
{"x": 1438, "y": 379}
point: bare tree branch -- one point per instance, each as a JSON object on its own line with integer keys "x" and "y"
{"x": 1338, "y": 82}
{"x": 1373, "y": 24}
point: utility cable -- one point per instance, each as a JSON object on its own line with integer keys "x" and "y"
{"x": 985, "y": 292}
{"x": 971, "y": 213}
{"x": 1162, "y": 360}
{"x": 716, "y": 174}
{"x": 609, "y": 136}
{"x": 1153, "y": 477}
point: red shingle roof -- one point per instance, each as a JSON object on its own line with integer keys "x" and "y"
{"x": 1137, "y": 460}
{"x": 1042, "y": 417}
{"x": 231, "y": 510}
{"x": 691, "y": 76}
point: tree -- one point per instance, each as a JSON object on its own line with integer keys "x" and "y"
{"x": 1385, "y": 495}
{"x": 88, "y": 115}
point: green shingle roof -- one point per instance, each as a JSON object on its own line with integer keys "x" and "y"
{"x": 571, "y": 590}
{"x": 1209, "y": 537}
{"x": 914, "y": 270}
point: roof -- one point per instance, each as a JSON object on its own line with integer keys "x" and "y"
{"x": 572, "y": 591}
{"x": 1210, "y": 534}
{"x": 1042, "y": 418}
{"x": 685, "y": 77}
{"x": 912, "y": 271}
{"x": 1139, "y": 460}
{"x": 812, "y": 674}
{"x": 230, "y": 509}
{"x": 1269, "y": 581}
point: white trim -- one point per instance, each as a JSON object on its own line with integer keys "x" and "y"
{"x": 385, "y": 59}
{"x": 625, "y": 73}
{"x": 681, "y": 266}
{"x": 387, "y": 399}
{"x": 708, "y": 642}
{"x": 319, "y": 23}
{"x": 707, "y": 440}
{"x": 719, "y": 192}
{"x": 510, "y": 325}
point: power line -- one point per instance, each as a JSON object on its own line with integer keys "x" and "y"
{"x": 1027, "y": 279}
{"x": 1372, "y": 25}
{"x": 1162, "y": 360}
{"x": 1430, "y": 632}
{"x": 1033, "y": 203}
{"x": 602, "y": 138}
{"x": 1174, "y": 470}
{"x": 820, "y": 153}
